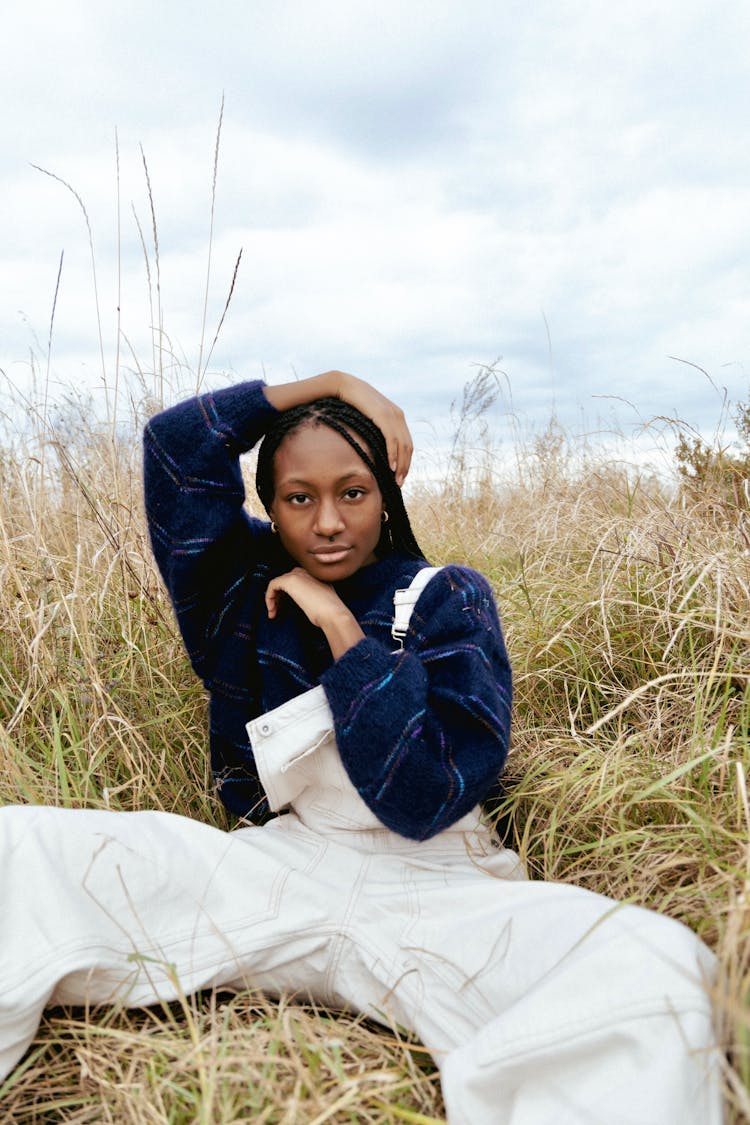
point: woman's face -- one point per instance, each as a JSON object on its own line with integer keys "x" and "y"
{"x": 327, "y": 504}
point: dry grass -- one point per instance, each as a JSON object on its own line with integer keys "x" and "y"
{"x": 626, "y": 612}
{"x": 220, "y": 1059}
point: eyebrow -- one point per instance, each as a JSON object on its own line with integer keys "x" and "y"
{"x": 363, "y": 472}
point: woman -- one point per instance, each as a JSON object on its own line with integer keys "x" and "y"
{"x": 380, "y": 888}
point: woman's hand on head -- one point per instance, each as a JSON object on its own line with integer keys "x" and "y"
{"x": 388, "y": 417}
{"x": 339, "y": 384}
{"x": 320, "y": 604}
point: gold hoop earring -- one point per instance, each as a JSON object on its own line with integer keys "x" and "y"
{"x": 384, "y": 516}
{"x": 274, "y": 528}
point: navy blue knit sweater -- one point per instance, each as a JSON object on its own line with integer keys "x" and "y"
{"x": 423, "y": 733}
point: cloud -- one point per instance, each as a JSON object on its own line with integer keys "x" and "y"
{"x": 414, "y": 189}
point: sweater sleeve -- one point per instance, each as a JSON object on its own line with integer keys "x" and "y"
{"x": 423, "y": 733}
{"x": 204, "y": 542}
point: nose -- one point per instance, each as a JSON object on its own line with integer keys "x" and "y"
{"x": 328, "y": 519}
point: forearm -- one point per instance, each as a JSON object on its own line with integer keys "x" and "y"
{"x": 201, "y": 537}
{"x": 420, "y": 758}
{"x": 208, "y": 432}
{"x": 423, "y": 734}
{"x": 330, "y": 384}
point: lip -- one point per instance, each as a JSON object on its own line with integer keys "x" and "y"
{"x": 329, "y": 556}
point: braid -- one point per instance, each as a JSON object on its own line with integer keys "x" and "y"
{"x": 346, "y": 420}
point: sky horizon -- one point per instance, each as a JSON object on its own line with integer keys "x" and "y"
{"x": 416, "y": 190}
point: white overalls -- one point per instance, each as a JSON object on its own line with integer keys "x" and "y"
{"x": 540, "y": 1002}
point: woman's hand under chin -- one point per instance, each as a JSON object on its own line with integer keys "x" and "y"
{"x": 320, "y": 604}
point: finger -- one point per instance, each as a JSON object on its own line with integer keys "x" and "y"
{"x": 273, "y": 596}
{"x": 407, "y": 453}
{"x": 404, "y": 456}
{"x": 396, "y": 460}
{"x": 394, "y": 431}
{"x": 393, "y": 453}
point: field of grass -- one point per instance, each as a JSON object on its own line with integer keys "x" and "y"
{"x": 626, "y": 606}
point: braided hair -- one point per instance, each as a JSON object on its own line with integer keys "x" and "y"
{"x": 396, "y": 534}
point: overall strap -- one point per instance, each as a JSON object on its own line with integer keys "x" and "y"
{"x": 405, "y": 600}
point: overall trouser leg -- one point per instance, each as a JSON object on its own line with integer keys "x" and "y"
{"x": 544, "y": 1002}
{"x": 141, "y": 907}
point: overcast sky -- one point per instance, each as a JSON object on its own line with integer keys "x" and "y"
{"x": 416, "y": 187}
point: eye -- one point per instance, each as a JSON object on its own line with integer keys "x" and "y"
{"x": 297, "y": 499}
{"x": 354, "y": 493}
